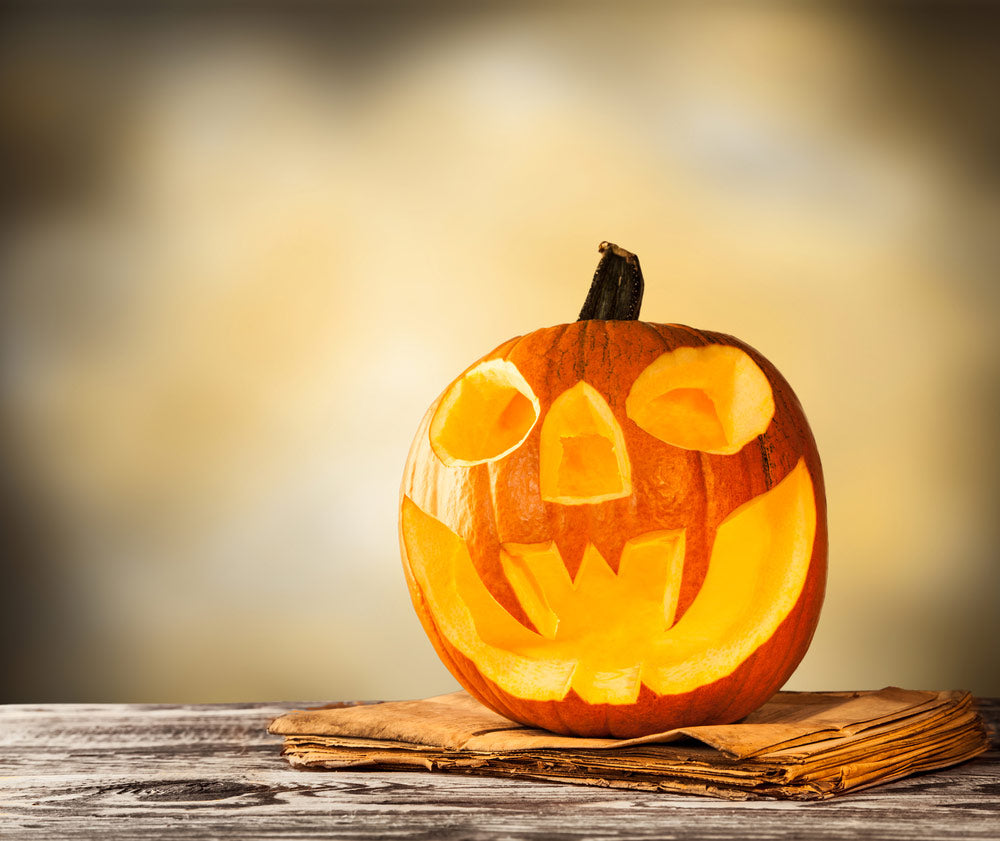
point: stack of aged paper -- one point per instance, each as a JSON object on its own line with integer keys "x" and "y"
{"x": 800, "y": 745}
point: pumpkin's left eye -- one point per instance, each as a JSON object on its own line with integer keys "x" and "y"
{"x": 713, "y": 398}
{"x": 484, "y": 415}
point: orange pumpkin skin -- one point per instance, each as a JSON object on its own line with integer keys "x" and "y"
{"x": 499, "y": 503}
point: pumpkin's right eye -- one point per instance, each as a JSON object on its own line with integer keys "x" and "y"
{"x": 713, "y": 398}
{"x": 484, "y": 415}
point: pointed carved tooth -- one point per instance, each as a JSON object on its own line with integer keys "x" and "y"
{"x": 594, "y": 574}
{"x": 540, "y": 581}
{"x": 655, "y": 558}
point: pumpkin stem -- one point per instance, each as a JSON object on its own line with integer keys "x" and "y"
{"x": 616, "y": 290}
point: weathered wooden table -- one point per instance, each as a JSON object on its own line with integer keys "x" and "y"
{"x": 148, "y": 772}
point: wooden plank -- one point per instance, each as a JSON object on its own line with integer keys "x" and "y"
{"x": 76, "y": 771}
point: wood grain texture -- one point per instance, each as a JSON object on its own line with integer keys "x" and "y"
{"x": 151, "y": 772}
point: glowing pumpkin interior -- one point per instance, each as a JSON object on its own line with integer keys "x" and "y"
{"x": 602, "y": 633}
{"x": 714, "y": 399}
{"x": 484, "y": 416}
{"x": 582, "y": 457}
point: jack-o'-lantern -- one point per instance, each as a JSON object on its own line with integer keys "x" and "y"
{"x": 614, "y": 527}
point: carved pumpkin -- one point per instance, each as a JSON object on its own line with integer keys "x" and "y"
{"x": 614, "y": 527}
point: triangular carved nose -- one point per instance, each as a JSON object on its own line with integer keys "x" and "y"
{"x": 582, "y": 458}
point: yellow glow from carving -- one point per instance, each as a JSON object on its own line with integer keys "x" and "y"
{"x": 583, "y": 457}
{"x": 643, "y": 593}
{"x": 604, "y": 634}
{"x": 713, "y": 398}
{"x": 484, "y": 415}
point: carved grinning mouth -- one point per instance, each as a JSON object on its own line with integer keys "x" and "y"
{"x": 641, "y": 596}
{"x": 604, "y": 635}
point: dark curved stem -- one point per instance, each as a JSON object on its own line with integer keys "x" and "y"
{"x": 616, "y": 290}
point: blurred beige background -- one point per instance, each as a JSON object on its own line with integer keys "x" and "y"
{"x": 243, "y": 251}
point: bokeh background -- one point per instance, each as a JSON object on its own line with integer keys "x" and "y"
{"x": 244, "y": 246}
